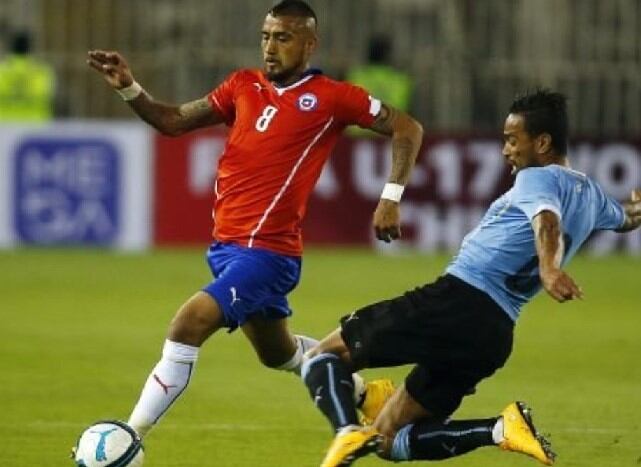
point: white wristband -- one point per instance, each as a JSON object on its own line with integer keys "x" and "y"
{"x": 393, "y": 192}
{"x": 130, "y": 92}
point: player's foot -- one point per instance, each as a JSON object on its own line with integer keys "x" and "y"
{"x": 349, "y": 445}
{"x": 520, "y": 435}
{"x": 376, "y": 394}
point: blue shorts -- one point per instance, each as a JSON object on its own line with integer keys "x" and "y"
{"x": 251, "y": 282}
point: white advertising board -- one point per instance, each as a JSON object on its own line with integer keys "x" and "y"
{"x": 74, "y": 184}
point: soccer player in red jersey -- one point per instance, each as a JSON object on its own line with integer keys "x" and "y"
{"x": 284, "y": 120}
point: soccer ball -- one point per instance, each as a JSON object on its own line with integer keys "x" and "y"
{"x": 109, "y": 443}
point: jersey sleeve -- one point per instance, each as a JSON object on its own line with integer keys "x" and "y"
{"x": 610, "y": 214}
{"x": 536, "y": 190}
{"x": 354, "y": 106}
{"x": 222, "y": 98}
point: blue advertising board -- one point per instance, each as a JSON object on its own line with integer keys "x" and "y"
{"x": 66, "y": 191}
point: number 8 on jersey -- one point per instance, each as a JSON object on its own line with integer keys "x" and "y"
{"x": 266, "y": 117}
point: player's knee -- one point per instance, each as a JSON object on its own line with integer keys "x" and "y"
{"x": 190, "y": 320}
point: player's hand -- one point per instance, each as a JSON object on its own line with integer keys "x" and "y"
{"x": 387, "y": 220}
{"x": 112, "y": 66}
{"x": 632, "y": 209}
{"x": 560, "y": 286}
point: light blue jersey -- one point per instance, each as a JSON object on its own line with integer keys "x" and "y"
{"x": 499, "y": 255}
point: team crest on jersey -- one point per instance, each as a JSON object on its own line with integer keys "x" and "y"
{"x": 307, "y": 102}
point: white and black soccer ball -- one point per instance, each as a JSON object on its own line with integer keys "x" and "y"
{"x": 109, "y": 443}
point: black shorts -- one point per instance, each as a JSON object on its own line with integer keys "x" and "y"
{"x": 454, "y": 333}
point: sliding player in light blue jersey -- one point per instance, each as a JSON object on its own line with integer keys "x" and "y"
{"x": 459, "y": 329}
{"x": 551, "y": 197}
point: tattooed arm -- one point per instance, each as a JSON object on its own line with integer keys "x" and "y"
{"x": 172, "y": 120}
{"x": 407, "y": 136}
{"x": 548, "y": 239}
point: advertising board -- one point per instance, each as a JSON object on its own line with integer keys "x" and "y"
{"x": 75, "y": 184}
{"x": 454, "y": 181}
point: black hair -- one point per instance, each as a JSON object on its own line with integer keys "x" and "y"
{"x": 296, "y": 8}
{"x": 21, "y": 43}
{"x": 544, "y": 111}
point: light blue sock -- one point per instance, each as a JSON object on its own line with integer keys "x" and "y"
{"x": 401, "y": 446}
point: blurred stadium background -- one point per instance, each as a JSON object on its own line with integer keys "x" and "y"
{"x": 468, "y": 58}
{"x": 80, "y": 327}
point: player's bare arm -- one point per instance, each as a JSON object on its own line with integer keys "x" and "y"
{"x": 632, "y": 210}
{"x": 175, "y": 120}
{"x": 550, "y": 246}
{"x": 172, "y": 120}
{"x": 407, "y": 136}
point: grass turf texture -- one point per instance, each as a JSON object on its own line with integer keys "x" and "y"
{"x": 79, "y": 331}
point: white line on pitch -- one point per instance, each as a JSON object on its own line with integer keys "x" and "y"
{"x": 253, "y": 427}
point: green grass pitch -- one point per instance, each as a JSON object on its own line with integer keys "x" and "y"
{"x": 79, "y": 331}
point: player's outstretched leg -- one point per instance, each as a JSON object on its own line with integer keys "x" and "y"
{"x": 165, "y": 384}
{"x": 430, "y": 439}
{"x": 331, "y": 387}
{"x": 196, "y": 320}
{"x": 435, "y": 440}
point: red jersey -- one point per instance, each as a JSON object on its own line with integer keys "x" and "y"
{"x": 279, "y": 141}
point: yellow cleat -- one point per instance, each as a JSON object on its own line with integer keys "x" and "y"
{"x": 351, "y": 445}
{"x": 519, "y": 434}
{"x": 377, "y": 392}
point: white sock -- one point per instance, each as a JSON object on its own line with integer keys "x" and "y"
{"x": 167, "y": 381}
{"x": 497, "y": 431}
{"x": 295, "y": 363}
{"x": 306, "y": 343}
{"x": 303, "y": 344}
